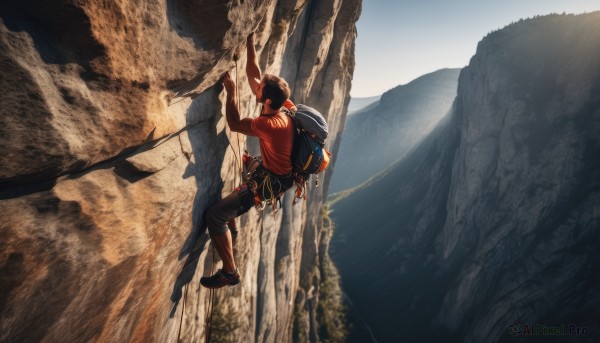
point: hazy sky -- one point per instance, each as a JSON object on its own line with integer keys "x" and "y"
{"x": 400, "y": 40}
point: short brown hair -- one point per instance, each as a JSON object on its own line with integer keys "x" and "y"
{"x": 275, "y": 89}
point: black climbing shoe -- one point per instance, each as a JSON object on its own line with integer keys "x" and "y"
{"x": 220, "y": 279}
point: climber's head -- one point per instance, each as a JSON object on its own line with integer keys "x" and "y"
{"x": 273, "y": 91}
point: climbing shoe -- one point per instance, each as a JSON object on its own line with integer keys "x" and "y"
{"x": 220, "y": 279}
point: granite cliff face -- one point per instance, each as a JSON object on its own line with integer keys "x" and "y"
{"x": 492, "y": 222}
{"x": 113, "y": 144}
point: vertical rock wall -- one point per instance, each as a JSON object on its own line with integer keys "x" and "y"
{"x": 113, "y": 144}
{"x": 491, "y": 223}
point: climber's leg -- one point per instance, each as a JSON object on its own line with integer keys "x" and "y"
{"x": 218, "y": 217}
{"x": 224, "y": 247}
{"x": 234, "y": 231}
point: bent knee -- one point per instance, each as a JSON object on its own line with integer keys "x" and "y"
{"x": 216, "y": 225}
{"x": 217, "y": 230}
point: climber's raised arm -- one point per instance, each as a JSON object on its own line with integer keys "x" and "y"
{"x": 252, "y": 68}
{"x": 231, "y": 109}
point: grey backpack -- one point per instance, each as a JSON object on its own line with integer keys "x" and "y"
{"x": 309, "y": 155}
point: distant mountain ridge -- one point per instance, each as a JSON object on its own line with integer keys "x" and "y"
{"x": 358, "y": 104}
{"x": 383, "y": 131}
{"x": 492, "y": 221}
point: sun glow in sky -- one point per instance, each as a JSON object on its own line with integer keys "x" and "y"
{"x": 400, "y": 40}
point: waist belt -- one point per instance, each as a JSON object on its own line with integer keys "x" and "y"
{"x": 266, "y": 185}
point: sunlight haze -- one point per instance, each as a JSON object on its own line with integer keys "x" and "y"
{"x": 401, "y": 40}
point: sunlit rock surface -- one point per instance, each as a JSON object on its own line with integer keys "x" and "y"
{"x": 113, "y": 143}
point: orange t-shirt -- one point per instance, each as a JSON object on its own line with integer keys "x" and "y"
{"x": 276, "y": 136}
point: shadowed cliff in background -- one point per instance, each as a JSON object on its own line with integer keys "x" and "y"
{"x": 381, "y": 133}
{"x": 113, "y": 144}
{"x": 493, "y": 219}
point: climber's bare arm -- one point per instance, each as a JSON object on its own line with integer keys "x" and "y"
{"x": 231, "y": 109}
{"x": 252, "y": 68}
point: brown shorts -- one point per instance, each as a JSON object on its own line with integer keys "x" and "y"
{"x": 243, "y": 198}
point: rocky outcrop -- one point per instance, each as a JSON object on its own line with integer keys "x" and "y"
{"x": 114, "y": 144}
{"x": 382, "y": 133}
{"x": 492, "y": 222}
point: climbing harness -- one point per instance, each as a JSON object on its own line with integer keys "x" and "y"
{"x": 266, "y": 186}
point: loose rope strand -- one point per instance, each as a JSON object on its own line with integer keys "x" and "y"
{"x": 237, "y": 84}
{"x": 182, "y": 311}
{"x": 211, "y": 300}
{"x": 237, "y": 153}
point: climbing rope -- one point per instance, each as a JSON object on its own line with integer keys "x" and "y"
{"x": 237, "y": 85}
{"x": 211, "y": 301}
{"x": 182, "y": 311}
{"x": 270, "y": 196}
{"x": 211, "y": 297}
{"x": 236, "y": 153}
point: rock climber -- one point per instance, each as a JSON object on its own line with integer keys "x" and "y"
{"x": 273, "y": 169}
